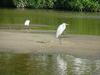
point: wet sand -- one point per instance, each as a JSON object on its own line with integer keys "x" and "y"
{"x": 23, "y": 41}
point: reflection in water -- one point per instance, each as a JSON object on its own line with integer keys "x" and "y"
{"x": 97, "y": 70}
{"x": 82, "y": 67}
{"x": 46, "y": 64}
{"x": 62, "y": 65}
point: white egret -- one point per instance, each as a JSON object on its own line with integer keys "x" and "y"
{"x": 27, "y": 22}
{"x": 60, "y": 29}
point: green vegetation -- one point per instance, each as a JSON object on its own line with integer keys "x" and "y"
{"x": 74, "y": 5}
{"x": 34, "y": 3}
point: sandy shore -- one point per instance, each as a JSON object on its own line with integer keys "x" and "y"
{"x": 45, "y": 42}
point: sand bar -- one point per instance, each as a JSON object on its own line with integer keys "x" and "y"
{"x": 23, "y": 41}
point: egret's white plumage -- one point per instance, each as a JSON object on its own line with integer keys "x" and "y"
{"x": 60, "y": 29}
{"x": 27, "y": 22}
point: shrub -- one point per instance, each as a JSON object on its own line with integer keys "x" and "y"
{"x": 76, "y": 5}
{"x": 20, "y": 3}
{"x": 90, "y": 5}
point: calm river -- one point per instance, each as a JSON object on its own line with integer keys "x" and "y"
{"x": 47, "y": 64}
{"x": 79, "y": 22}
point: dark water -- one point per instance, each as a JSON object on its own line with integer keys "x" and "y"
{"x": 47, "y": 64}
{"x": 79, "y": 22}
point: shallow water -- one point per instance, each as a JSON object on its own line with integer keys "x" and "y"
{"x": 79, "y": 22}
{"x": 47, "y": 64}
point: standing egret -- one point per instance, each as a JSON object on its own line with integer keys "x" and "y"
{"x": 27, "y": 22}
{"x": 60, "y": 30}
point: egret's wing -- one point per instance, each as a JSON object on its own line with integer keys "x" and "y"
{"x": 27, "y": 22}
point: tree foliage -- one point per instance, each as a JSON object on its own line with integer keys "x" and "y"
{"x": 20, "y": 3}
{"x": 34, "y": 3}
{"x": 76, "y": 5}
{"x": 79, "y": 5}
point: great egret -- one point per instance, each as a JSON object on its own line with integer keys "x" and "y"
{"x": 60, "y": 29}
{"x": 27, "y": 22}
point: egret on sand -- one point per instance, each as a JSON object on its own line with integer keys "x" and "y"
{"x": 60, "y": 30}
{"x": 27, "y": 22}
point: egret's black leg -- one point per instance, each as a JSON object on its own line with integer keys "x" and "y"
{"x": 60, "y": 40}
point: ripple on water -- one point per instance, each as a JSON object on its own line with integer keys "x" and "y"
{"x": 46, "y": 64}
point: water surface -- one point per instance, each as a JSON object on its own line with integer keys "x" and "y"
{"x": 79, "y": 22}
{"x": 47, "y": 64}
